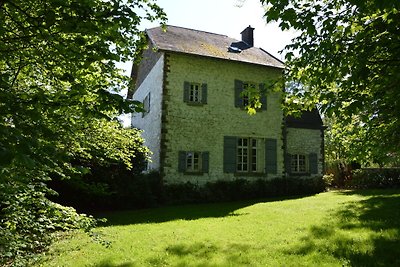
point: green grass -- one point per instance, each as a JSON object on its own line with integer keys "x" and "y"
{"x": 340, "y": 228}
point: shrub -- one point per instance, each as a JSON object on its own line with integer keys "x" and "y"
{"x": 115, "y": 188}
{"x": 329, "y": 179}
{"x": 182, "y": 193}
{"x": 28, "y": 223}
{"x": 241, "y": 189}
{"x": 375, "y": 178}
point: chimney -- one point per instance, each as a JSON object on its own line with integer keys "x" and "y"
{"x": 247, "y": 36}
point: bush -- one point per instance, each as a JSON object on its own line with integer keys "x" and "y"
{"x": 241, "y": 189}
{"x": 182, "y": 193}
{"x": 28, "y": 223}
{"x": 375, "y": 178}
{"x": 113, "y": 189}
{"x": 329, "y": 179}
{"x": 339, "y": 172}
{"x": 108, "y": 183}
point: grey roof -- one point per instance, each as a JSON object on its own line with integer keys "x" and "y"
{"x": 208, "y": 44}
{"x": 307, "y": 120}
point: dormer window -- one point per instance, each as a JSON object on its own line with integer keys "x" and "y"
{"x": 234, "y": 49}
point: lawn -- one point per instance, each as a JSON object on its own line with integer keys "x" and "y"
{"x": 338, "y": 228}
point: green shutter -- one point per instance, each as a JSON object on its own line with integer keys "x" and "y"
{"x": 238, "y": 91}
{"x": 271, "y": 156}
{"x": 288, "y": 161}
{"x": 230, "y": 154}
{"x": 204, "y": 93}
{"x": 186, "y": 90}
{"x": 182, "y": 161}
{"x": 263, "y": 97}
{"x": 205, "y": 161}
{"x": 313, "y": 160}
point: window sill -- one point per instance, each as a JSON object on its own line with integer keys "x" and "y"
{"x": 198, "y": 104}
{"x": 300, "y": 174}
{"x": 257, "y": 110}
{"x": 250, "y": 174}
{"x": 193, "y": 173}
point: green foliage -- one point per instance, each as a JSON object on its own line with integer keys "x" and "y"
{"x": 375, "y": 178}
{"x": 328, "y": 179}
{"x": 29, "y": 220}
{"x": 241, "y": 189}
{"x": 111, "y": 187}
{"x": 254, "y": 94}
{"x": 346, "y": 59}
{"x": 114, "y": 187}
{"x": 57, "y": 72}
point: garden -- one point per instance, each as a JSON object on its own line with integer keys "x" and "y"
{"x": 336, "y": 228}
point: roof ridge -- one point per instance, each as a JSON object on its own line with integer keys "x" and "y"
{"x": 190, "y": 29}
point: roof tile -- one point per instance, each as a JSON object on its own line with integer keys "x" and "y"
{"x": 189, "y": 41}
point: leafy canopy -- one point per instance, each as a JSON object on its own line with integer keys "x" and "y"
{"x": 346, "y": 59}
{"x": 57, "y": 72}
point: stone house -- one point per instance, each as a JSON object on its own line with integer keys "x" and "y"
{"x": 195, "y": 122}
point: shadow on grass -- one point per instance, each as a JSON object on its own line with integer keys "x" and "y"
{"x": 371, "y": 192}
{"x": 361, "y": 233}
{"x": 183, "y": 212}
{"x": 203, "y": 253}
{"x": 110, "y": 264}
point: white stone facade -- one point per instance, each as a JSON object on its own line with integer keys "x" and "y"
{"x": 151, "y": 122}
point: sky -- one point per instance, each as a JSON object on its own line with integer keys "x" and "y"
{"x": 227, "y": 17}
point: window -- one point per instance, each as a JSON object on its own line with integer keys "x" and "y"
{"x": 250, "y": 155}
{"x": 243, "y": 90}
{"x": 298, "y": 163}
{"x": 146, "y": 105}
{"x": 247, "y": 87}
{"x": 247, "y": 155}
{"x": 193, "y": 162}
{"x": 302, "y": 163}
{"x": 195, "y": 93}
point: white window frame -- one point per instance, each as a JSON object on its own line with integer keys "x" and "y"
{"x": 195, "y": 93}
{"x": 298, "y": 163}
{"x": 247, "y": 155}
{"x": 193, "y": 161}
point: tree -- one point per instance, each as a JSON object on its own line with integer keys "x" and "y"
{"x": 347, "y": 60}
{"x": 57, "y": 67}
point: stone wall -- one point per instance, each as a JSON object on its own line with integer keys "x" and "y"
{"x": 203, "y": 127}
{"x": 305, "y": 141}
